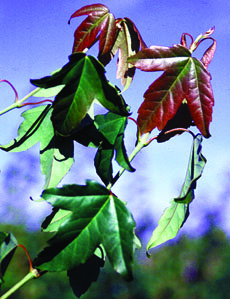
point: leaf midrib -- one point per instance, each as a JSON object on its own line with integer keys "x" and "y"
{"x": 178, "y": 79}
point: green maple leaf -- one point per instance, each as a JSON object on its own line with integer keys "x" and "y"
{"x": 94, "y": 216}
{"x": 84, "y": 82}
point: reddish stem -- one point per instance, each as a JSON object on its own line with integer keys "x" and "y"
{"x": 170, "y": 131}
{"x": 37, "y": 103}
{"x": 180, "y": 129}
{"x": 14, "y": 89}
{"x": 151, "y": 139}
{"x": 28, "y": 256}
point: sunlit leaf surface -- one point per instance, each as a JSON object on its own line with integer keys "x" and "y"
{"x": 84, "y": 82}
{"x": 97, "y": 217}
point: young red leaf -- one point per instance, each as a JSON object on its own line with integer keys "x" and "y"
{"x": 141, "y": 41}
{"x": 208, "y": 32}
{"x": 85, "y": 34}
{"x": 185, "y": 77}
{"x": 113, "y": 35}
{"x": 125, "y": 70}
{"x": 99, "y": 19}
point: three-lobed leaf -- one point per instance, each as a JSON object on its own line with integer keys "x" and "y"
{"x": 175, "y": 216}
{"x": 184, "y": 78}
{"x": 95, "y": 217}
{"x": 84, "y": 82}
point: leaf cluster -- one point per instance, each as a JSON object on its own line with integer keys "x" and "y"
{"x": 88, "y": 222}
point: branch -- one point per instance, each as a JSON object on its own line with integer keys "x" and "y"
{"x": 18, "y": 285}
{"x": 18, "y": 104}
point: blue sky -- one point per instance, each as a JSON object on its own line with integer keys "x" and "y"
{"x": 36, "y": 39}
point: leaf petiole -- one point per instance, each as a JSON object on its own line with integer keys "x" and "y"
{"x": 37, "y": 103}
{"x": 181, "y": 129}
{"x": 142, "y": 142}
{"x": 28, "y": 256}
{"x": 12, "y": 86}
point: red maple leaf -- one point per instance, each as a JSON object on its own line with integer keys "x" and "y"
{"x": 185, "y": 79}
{"x": 112, "y": 34}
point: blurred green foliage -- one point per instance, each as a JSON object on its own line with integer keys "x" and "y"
{"x": 193, "y": 268}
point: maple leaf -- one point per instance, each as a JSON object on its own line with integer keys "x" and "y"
{"x": 99, "y": 19}
{"x": 177, "y": 213}
{"x": 84, "y": 81}
{"x": 184, "y": 78}
{"x": 113, "y": 35}
{"x": 94, "y": 216}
